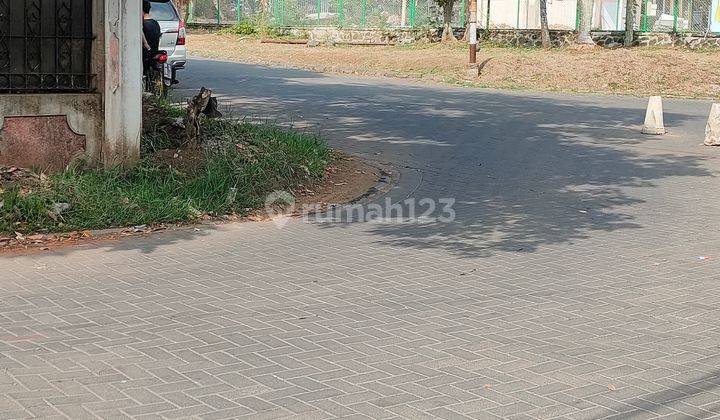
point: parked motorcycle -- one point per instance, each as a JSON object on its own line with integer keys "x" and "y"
{"x": 157, "y": 77}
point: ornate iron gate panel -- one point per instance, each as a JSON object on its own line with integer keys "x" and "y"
{"x": 45, "y": 46}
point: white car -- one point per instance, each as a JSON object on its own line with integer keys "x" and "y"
{"x": 173, "y": 33}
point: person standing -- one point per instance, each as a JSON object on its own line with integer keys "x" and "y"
{"x": 151, "y": 35}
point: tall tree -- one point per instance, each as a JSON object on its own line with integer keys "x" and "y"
{"x": 184, "y": 8}
{"x": 544, "y": 29}
{"x": 630, "y": 8}
{"x": 447, "y": 6}
{"x": 586, "y": 9}
{"x": 466, "y": 35}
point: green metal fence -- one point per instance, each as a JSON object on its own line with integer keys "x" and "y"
{"x": 692, "y": 16}
{"x": 337, "y": 13}
{"x": 680, "y": 16}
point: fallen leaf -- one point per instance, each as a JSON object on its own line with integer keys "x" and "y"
{"x": 611, "y": 387}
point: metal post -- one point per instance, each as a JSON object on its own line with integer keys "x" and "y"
{"x": 472, "y": 36}
{"x": 218, "y": 11}
{"x": 363, "y": 13}
{"x": 318, "y": 6}
{"x": 411, "y": 17}
{"x": 517, "y": 18}
{"x": 238, "y": 11}
{"x": 341, "y": 13}
{"x": 462, "y": 13}
{"x": 487, "y": 16}
{"x": 617, "y": 15}
{"x": 676, "y": 10}
{"x": 643, "y": 24}
{"x": 577, "y": 14}
{"x": 191, "y": 11}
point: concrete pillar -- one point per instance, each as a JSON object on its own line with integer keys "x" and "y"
{"x": 122, "y": 82}
{"x": 712, "y": 129}
{"x": 654, "y": 117}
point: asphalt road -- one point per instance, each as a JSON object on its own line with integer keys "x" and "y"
{"x": 578, "y": 278}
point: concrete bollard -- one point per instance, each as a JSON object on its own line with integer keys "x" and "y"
{"x": 712, "y": 129}
{"x": 654, "y": 117}
{"x": 472, "y": 71}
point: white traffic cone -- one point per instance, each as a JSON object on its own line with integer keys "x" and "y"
{"x": 712, "y": 129}
{"x": 654, "y": 117}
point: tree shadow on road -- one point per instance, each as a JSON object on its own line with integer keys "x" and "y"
{"x": 703, "y": 388}
{"x": 526, "y": 169}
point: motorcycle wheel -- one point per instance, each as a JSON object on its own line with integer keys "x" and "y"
{"x": 155, "y": 85}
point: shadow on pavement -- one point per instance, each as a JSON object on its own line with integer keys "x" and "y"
{"x": 674, "y": 398}
{"x": 526, "y": 169}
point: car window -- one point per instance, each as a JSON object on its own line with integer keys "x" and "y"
{"x": 162, "y": 10}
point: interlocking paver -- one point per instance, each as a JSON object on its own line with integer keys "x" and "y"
{"x": 568, "y": 286}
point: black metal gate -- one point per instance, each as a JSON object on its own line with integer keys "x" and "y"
{"x": 45, "y": 46}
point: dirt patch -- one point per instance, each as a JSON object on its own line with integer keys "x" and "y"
{"x": 667, "y": 71}
{"x": 187, "y": 161}
{"x": 22, "y": 245}
{"x": 22, "y": 179}
{"x": 347, "y": 179}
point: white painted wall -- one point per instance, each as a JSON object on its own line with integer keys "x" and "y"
{"x": 609, "y": 15}
{"x": 122, "y": 82}
{"x": 562, "y": 14}
{"x": 504, "y": 13}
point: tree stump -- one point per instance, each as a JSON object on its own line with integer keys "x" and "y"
{"x": 196, "y": 107}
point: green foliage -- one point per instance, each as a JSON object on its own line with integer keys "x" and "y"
{"x": 256, "y": 25}
{"x": 243, "y": 28}
{"x": 241, "y": 165}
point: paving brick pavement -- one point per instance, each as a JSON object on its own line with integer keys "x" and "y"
{"x": 568, "y": 286}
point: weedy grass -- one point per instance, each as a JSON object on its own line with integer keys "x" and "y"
{"x": 241, "y": 163}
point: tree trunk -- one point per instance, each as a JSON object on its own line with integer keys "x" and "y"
{"x": 466, "y": 33}
{"x": 447, "y": 34}
{"x": 544, "y": 30}
{"x": 586, "y": 11}
{"x": 630, "y": 8}
{"x": 183, "y": 8}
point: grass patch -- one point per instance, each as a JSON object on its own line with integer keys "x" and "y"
{"x": 257, "y": 27}
{"x": 239, "y": 166}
